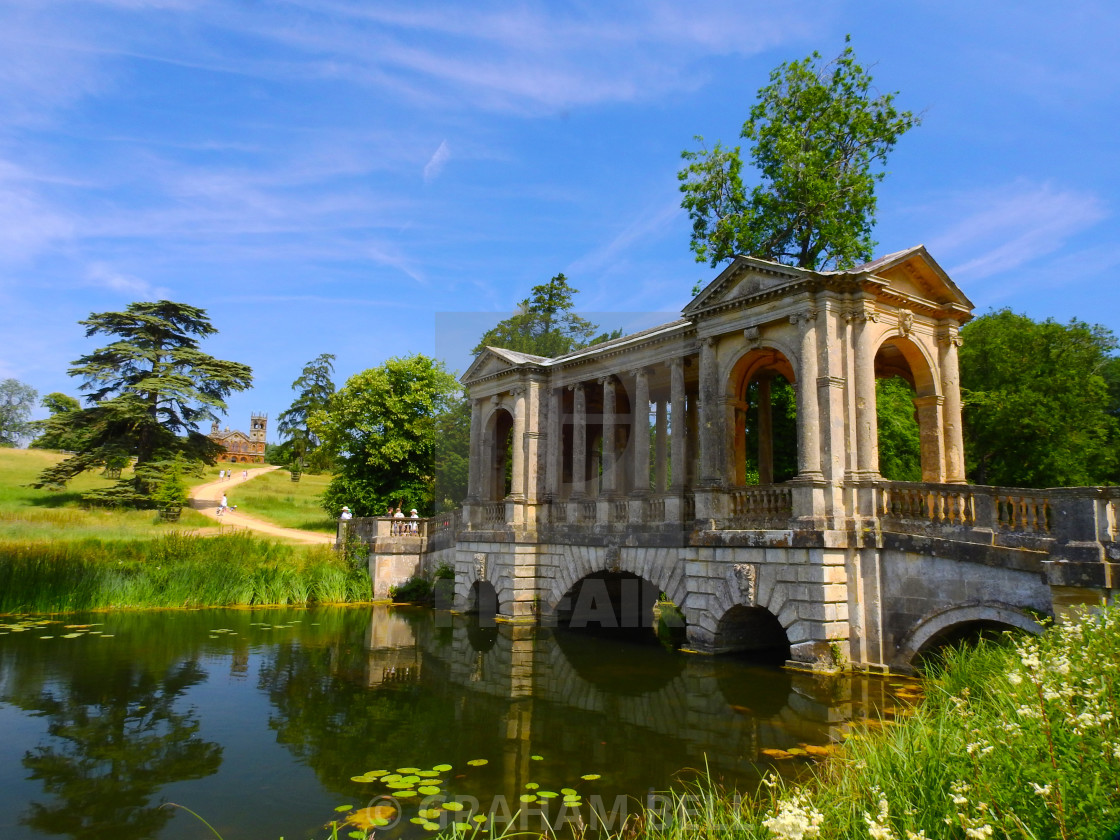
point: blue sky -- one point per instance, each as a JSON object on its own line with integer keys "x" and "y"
{"x": 373, "y": 179}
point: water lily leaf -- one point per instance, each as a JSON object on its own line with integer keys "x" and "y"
{"x": 442, "y": 768}
{"x": 431, "y": 826}
{"x": 374, "y": 816}
{"x": 71, "y": 635}
{"x": 547, "y": 794}
{"x": 357, "y": 835}
{"x": 417, "y": 820}
{"x": 531, "y": 786}
{"x": 375, "y": 773}
{"x": 568, "y": 791}
{"x": 453, "y": 806}
{"x": 428, "y": 790}
{"x": 341, "y": 808}
{"x": 537, "y": 757}
{"x": 428, "y": 813}
{"x": 392, "y": 777}
{"x": 796, "y": 751}
{"x": 590, "y": 777}
{"x": 778, "y": 754}
{"x": 460, "y": 827}
{"x": 405, "y": 794}
{"x": 360, "y": 779}
{"x": 528, "y": 797}
{"x": 478, "y": 762}
{"x": 479, "y": 818}
{"x": 404, "y": 771}
{"x": 427, "y": 774}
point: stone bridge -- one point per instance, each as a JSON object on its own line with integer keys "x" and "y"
{"x": 729, "y": 461}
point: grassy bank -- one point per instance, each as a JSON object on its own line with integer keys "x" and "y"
{"x": 176, "y": 570}
{"x": 1014, "y": 741}
{"x": 30, "y": 514}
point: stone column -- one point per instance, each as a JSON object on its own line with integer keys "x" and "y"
{"x": 662, "y": 428}
{"x": 867, "y": 423}
{"x": 808, "y": 410}
{"x": 579, "y": 441}
{"x": 639, "y": 432}
{"x": 474, "y": 463}
{"x": 554, "y": 447}
{"x": 517, "y": 488}
{"x": 678, "y": 433}
{"x": 712, "y": 411}
{"x": 949, "y": 341}
{"x": 932, "y": 437}
{"x": 609, "y": 441}
{"x": 765, "y": 433}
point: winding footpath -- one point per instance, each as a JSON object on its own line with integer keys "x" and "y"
{"x": 205, "y": 498}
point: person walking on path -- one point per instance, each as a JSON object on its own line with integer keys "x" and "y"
{"x": 223, "y": 506}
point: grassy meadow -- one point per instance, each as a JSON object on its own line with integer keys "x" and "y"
{"x": 30, "y": 514}
{"x": 58, "y": 556}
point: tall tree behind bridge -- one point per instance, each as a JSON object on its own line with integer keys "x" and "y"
{"x": 543, "y": 325}
{"x": 313, "y": 391}
{"x": 1037, "y": 407}
{"x": 381, "y": 429}
{"x": 149, "y": 390}
{"x": 817, "y": 132}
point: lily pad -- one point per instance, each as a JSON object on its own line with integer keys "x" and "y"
{"x": 478, "y": 762}
{"x": 590, "y": 777}
{"x": 404, "y": 771}
{"x": 547, "y": 794}
{"x": 430, "y": 826}
{"x": 528, "y": 797}
{"x": 537, "y": 757}
{"x": 569, "y": 791}
{"x": 427, "y": 774}
{"x": 531, "y": 786}
{"x": 341, "y": 808}
{"x": 428, "y": 790}
{"x": 417, "y": 820}
{"x": 428, "y": 813}
{"x": 442, "y": 768}
{"x": 453, "y": 806}
{"x": 405, "y": 794}
{"x": 479, "y": 818}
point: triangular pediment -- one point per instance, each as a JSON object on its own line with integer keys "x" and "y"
{"x": 495, "y": 360}
{"x": 746, "y": 276}
{"x": 914, "y": 273}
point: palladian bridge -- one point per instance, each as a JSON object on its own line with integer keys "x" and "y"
{"x": 669, "y": 463}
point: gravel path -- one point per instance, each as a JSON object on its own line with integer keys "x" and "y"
{"x": 205, "y": 498}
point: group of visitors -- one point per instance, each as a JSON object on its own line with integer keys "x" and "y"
{"x": 226, "y": 475}
{"x": 401, "y": 526}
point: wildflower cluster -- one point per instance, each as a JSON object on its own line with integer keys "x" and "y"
{"x": 796, "y": 818}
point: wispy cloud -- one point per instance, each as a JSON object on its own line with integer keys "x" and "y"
{"x": 1000, "y": 229}
{"x": 136, "y": 288}
{"x": 437, "y": 162}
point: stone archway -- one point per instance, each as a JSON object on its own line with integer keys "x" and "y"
{"x": 753, "y": 630}
{"x": 948, "y": 623}
{"x": 900, "y": 357}
{"x": 497, "y": 444}
{"x": 763, "y": 439}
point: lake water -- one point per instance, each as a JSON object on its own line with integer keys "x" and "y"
{"x": 260, "y": 719}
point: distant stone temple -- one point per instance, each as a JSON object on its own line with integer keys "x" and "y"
{"x": 241, "y": 448}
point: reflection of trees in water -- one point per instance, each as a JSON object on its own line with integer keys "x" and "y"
{"x": 115, "y": 738}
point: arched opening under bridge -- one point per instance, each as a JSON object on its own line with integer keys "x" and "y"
{"x": 618, "y": 604}
{"x": 754, "y": 633}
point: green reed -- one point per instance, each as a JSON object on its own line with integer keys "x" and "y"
{"x": 176, "y": 570}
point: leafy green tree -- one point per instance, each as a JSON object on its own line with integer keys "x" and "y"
{"x": 452, "y": 464}
{"x": 16, "y": 400}
{"x": 381, "y": 430}
{"x": 313, "y": 388}
{"x": 149, "y": 390}
{"x": 817, "y": 132}
{"x": 56, "y": 403}
{"x": 900, "y": 443}
{"x": 1038, "y": 411}
{"x": 544, "y": 324}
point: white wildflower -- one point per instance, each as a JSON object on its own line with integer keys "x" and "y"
{"x": 879, "y": 827}
{"x": 796, "y": 819}
{"x": 1014, "y": 678}
{"x": 1041, "y": 790}
{"x": 979, "y": 832}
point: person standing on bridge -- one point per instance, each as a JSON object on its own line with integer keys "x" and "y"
{"x": 346, "y": 514}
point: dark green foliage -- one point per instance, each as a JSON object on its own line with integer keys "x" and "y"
{"x": 452, "y": 463}
{"x": 313, "y": 390}
{"x": 1039, "y": 401}
{"x": 381, "y": 430}
{"x": 415, "y": 590}
{"x": 16, "y": 401}
{"x": 57, "y": 403}
{"x": 815, "y": 133}
{"x": 544, "y": 324}
{"x": 900, "y": 445}
{"x": 149, "y": 390}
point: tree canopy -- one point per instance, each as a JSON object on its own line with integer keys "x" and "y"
{"x": 16, "y": 402}
{"x": 148, "y": 391}
{"x": 817, "y": 132}
{"x": 57, "y": 403}
{"x": 544, "y": 323}
{"x": 313, "y": 388}
{"x": 1038, "y": 411}
{"x": 381, "y": 430}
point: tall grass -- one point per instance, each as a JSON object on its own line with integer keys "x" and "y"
{"x": 176, "y": 570}
{"x": 1016, "y": 741}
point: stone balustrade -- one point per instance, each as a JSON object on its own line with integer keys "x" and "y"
{"x": 768, "y": 506}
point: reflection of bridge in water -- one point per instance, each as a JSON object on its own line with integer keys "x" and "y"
{"x": 579, "y": 698}
{"x": 636, "y": 459}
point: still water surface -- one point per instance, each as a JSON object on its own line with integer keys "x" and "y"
{"x": 259, "y": 719}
